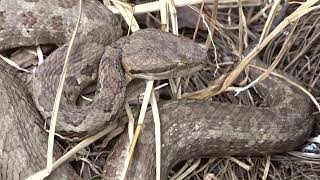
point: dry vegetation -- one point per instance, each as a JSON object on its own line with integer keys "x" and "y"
{"x": 234, "y": 36}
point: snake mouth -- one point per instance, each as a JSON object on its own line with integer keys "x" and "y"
{"x": 173, "y": 71}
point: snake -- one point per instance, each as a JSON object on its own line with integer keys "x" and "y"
{"x": 101, "y": 55}
{"x": 203, "y": 129}
{"x": 38, "y": 25}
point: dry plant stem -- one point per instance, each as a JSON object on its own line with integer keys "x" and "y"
{"x": 302, "y": 155}
{"x": 268, "y": 24}
{"x": 149, "y": 95}
{"x": 173, "y": 15}
{"x": 198, "y": 22}
{"x": 157, "y": 130}
{"x": 259, "y": 14}
{"x": 212, "y": 25}
{"x": 281, "y": 54}
{"x": 211, "y": 40}
{"x": 165, "y": 27}
{"x": 189, "y": 170}
{"x": 131, "y": 120}
{"x": 127, "y": 14}
{"x": 183, "y": 169}
{"x": 40, "y": 55}
{"x": 13, "y": 64}
{"x": 302, "y": 52}
{"x": 245, "y": 27}
{"x": 210, "y": 161}
{"x": 173, "y": 87}
{"x": 240, "y": 163}
{"x": 47, "y": 171}
{"x": 146, "y": 98}
{"x": 241, "y": 29}
{"x": 163, "y": 15}
{"x": 266, "y": 169}
{"x": 179, "y": 90}
{"x": 155, "y": 6}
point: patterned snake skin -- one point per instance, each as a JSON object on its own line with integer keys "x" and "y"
{"x": 189, "y": 128}
{"x": 31, "y": 23}
{"x": 194, "y": 129}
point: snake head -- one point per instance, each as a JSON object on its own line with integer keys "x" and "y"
{"x": 154, "y": 54}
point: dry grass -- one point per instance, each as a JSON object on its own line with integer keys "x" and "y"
{"x": 234, "y": 28}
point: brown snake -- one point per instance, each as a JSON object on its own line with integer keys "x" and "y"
{"x": 193, "y": 129}
{"x": 140, "y": 54}
{"x": 203, "y": 129}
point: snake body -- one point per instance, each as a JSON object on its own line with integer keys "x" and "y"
{"x": 31, "y": 23}
{"x": 23, "y": 141}
{"x": 194, "y": 129}
{"x": 217, "y": 129}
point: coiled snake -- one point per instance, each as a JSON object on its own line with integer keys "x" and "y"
{"x": 203, "y": 129}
